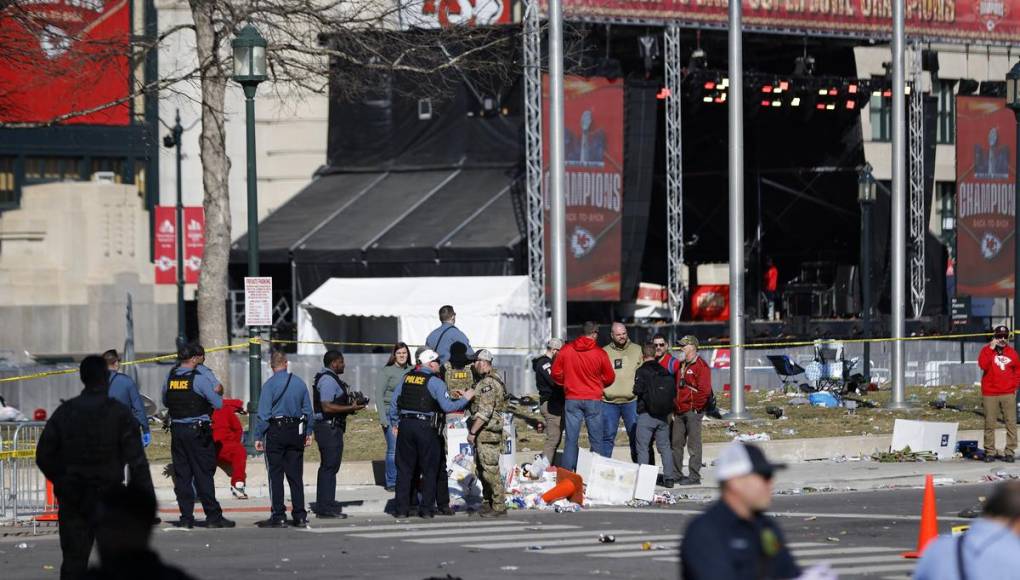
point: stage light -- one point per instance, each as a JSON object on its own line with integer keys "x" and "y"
{"x": 906, "y": 90}
{"x": 833, "y": 92}
{"x": 765, "y": 103}
{"x": 766, "y": 89}
{"x": 795, "y": 102}
{"x": 850, "y": 105}
{"x": 663, "y": 94}
{"x": 725, "y": 83}
{"x": 707, "y": 99}
{"x": 783, "y": 86}
{"x": 699, "y": 59}
{"x": 852, "y": 89}
{"x": 721, "y": 98}
{"x": 777, "y": 103}
{"x": 710, "y": 85}
{"x": 887, "y": 93}
{"x": 820, "y": 106}
{"x": 822, "y": 92}
{"x": 831, "y": 106}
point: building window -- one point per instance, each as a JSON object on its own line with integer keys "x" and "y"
{"x": 945, "y": 130}
{"x": 8, "y": 187}
{"x": 945, "y": 192}
{"x": 881, "y": 117}
{"x": 108, "y": 164}
{"x": 45, "y": 169}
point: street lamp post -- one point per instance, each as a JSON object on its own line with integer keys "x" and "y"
{"x": 250, "y": 70}
{"x": 866, "y": 197}
{"x": 1013, "y": 102}
{"x": 174, "y": 140}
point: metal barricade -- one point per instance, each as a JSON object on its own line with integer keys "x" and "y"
{"x": 22, "y": 485}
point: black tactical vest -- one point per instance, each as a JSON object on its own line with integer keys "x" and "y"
{"x": 317, "y": 398}
{"x": 181, "y": 399}
{"x": 415, "y": 396}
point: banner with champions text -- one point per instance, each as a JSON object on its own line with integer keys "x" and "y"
{"x": 985, "y": 154}
{"x": 593, "y": 188}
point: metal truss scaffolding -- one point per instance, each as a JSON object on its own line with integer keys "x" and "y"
{"x": 918, "y": 225}
{"x": 533, "y": 166}
{"x": 674, "y": 172}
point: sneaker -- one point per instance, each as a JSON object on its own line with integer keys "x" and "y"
{"x": 494, "y": 514}
{"x": 220, "y": 522}
{"x": 446, "y": 511}
{"x": 186, "y": 523}
{"x": 238, "y": 491}
{"x": 668, "y": 483}
{"x": 689, "y": 481}
{"x": 271, "y": 523}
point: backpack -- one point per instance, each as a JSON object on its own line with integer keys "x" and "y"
{"x": 659, "y": 395}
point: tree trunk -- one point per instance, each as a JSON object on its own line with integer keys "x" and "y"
{"x": 212, "y": 283}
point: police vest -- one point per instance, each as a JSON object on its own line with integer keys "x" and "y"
{"x": 182, "y": 400}
{"x": 415, "y": 396}
{"x": 458, "y": 379}
{"x": 317, "y": 398}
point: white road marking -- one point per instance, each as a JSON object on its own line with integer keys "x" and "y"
{"x": 602, "y": 548}
{"x": 853, "y": 516}
{"x": 905, "y": 567}
{"x": 414, "y": 526}
{"x": 591, "y": 541}
{"x": 468, "y": 535}
{"x": 851, "y": 561}
{"x": 531, "y": 537}
{"x": 834, "y": 550}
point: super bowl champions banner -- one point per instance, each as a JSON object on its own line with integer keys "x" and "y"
{"x": 985, "y": 153}
{"x": 593, "y": 119}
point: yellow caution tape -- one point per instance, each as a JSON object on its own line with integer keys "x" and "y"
{"x": 957, "y": 530}
{"x": 22, "y": 453}
{"x": 752, "y": 345}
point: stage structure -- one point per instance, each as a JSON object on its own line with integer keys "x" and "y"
{"x": 673, "y": 65}
{"x": 533, "y": 166}
{"x": 918, "y": 225}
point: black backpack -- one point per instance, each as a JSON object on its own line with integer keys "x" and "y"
{"x": 659, "y": 394}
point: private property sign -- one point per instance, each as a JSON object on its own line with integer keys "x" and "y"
{"x": 987, "y": 21}
{"x": 258, "y": 301}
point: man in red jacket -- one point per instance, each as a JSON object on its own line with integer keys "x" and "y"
{"x": 693, "y": 387}
{"x": 584, "y": 371}
{"x": 231, "y": 455}
{"x": 999, "y": 363}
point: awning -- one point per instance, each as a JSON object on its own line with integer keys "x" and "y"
{"x": 394, "y": 217}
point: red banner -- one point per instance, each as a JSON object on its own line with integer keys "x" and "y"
{"x": 165, "y": 244}
{"x": 985, "y": 146}
{"x": 593, "y": 189}
{"x": 959, "y": 20}
{"x": 65, "y": 56}
{"x": 194, "y": 243}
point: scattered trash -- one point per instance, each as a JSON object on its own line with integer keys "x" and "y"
{"x": 638, "y": 503}
{"x": 799, "y": 401}
{"x": 944, "y": 481}
{"x": 285, "y": 559}
{"x": 646, "y": 546}
{"x": 823, "y": 399}
{"x": 535, "y": 548}
{"x": 24, "y": 546}
{"x": 789, "y": 431}
{"x": 48, "y": 567}
{"x": 971, "y": 512}
{"x": 810, "y": 518}
{"x": 775, "y": 412}
{"x": 508, "y": 568}
{"x": 832, "y": 539}
{"x": 753, "y": 437}
{"x": 839, "y": 459}
{"x": 904, "y": 455}
{"x": 607, "y": 538}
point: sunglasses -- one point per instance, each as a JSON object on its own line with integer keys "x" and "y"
{"x": 658, "y": 344}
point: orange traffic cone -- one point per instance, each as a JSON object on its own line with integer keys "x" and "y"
{"x": 929, "y": 519}
{"x": 568, "y": 485}
{"x": 50, "y": 511}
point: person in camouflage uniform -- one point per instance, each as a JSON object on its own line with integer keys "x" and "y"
{"x": 486, "y": 434}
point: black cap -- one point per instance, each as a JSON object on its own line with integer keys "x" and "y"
{"x": 1001, "y": 331}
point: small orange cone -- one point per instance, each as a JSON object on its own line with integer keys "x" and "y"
{"x": 50, "y": 511}
{"x": 568, "y": 485}
{"x": 929, "y": 519}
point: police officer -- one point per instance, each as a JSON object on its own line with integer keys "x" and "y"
{"x": 190, "y": 397}
{"x": 124, "y": 390}
{"x": 734, "y": 538}
{"x": 417, "y": 405}
{"x": 83, "y": 450}
{"x": 486, "y": 434}
{"x": 285, "y": 412}
{"x": 332, "y": 403}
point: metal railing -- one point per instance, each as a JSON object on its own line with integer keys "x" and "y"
{"x": 22, "y": 485}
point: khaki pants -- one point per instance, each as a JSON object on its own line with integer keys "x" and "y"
{"x": 1000, "y": 406}
{"x": 686, "y": 432}
{"x": 553, "y": 432}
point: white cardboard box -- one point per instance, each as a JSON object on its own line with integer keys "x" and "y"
{"x": 939, "y": 438}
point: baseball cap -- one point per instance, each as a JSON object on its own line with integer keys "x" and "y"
{"x": 556, "y": 343}
{"x": 1001, "y": 331}
{"x": 484, "y": 355}
{"x": 689, "y": 340}
{"x": 428, "y": 355}
{"x": 738, "y": 459}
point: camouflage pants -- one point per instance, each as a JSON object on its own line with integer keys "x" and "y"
{"x": 487, "y": 458}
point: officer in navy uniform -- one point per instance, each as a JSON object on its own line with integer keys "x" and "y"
{"x": 190, "y": 397}
{"x": 124, "y": 390}
{"x": 283, "y": 432}
{"x": 332, "y": 404}
{"x": 417, "y": 405}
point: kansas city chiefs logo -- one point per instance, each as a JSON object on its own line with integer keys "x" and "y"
{"x": 990, "y": 246}
{"x": 581, "y": 242}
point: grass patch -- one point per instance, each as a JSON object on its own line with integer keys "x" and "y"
{"x": 364, "y": 439}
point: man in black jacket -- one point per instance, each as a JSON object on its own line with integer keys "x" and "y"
{"x": 83, "y": 450}
{"x": 551, "y": 396}
{"x": 655, "y": 389}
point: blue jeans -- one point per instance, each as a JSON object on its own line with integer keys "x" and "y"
{"x": 611, "y": 415}
{"x": 574, "y": 412}
{"x": 391, "y": 454}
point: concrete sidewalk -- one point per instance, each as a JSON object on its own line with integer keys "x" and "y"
{"x": 811, "y": 467}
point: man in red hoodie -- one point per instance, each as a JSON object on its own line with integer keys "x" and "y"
{"x": 231, "y": 455}
{"x": 693, "y": 387}
{"x": 584, "y": 371}
{"x": 1001, "y": 367}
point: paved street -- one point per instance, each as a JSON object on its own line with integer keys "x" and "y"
{"x": 872, "y": 529}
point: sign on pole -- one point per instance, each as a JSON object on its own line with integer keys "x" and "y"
{"x": 258, "y": 301}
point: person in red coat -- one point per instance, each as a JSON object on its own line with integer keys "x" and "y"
{"x": 584, "y": 371}
{"x": 1000, "y": 365}
{"x": 693, "y": 388}
{"x": 228, "y": 435}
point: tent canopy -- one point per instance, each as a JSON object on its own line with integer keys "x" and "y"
{"x": 491, "y": 310}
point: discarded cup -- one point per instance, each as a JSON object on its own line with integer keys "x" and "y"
{"x": 606, "y": 538}
{"x": 535, "y": 548}
{"x": 646, "y": 546}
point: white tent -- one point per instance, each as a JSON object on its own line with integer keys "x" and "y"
{"x": 491, "y": 310}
